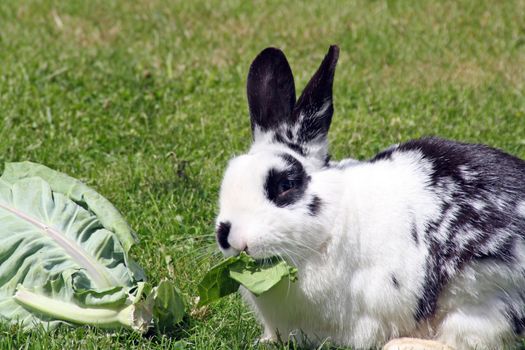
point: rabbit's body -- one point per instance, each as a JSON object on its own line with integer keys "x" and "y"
{"x": 397, "y": 264}
{"x": 424, "y": 240}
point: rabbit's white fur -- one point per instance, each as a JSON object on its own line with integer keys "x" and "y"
{"x": 357, "y": 237}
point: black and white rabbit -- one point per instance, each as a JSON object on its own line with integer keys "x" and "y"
{"x": 425, "y": 240}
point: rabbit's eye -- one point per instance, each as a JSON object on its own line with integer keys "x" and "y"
{"x": 285, "y": 185}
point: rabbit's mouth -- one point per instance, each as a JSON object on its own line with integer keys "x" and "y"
{"x": 263, "y": 257}
{"x": 272, "y": 260}
{"x": 267, "y": 255}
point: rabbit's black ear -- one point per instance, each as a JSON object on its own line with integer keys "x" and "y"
{"x": 271, "y": 91}
{"x": 314, "y": 109}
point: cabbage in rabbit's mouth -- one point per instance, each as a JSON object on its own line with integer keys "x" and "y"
{"x": 257, "y": 276}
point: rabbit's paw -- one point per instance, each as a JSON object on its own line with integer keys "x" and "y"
{"x": 267, "y": 338}
{"x": 415, "y": 344}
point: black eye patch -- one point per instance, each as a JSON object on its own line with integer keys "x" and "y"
{"x": 285, "y": 187}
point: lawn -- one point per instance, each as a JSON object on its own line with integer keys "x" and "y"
{"x": 145, "y": 102}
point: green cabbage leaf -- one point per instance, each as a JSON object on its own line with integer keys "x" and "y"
{"x": 226, "y": 277}
{"x": 64, "y": 258}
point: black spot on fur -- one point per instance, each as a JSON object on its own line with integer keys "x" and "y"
{"x": 315, "y": 206}
{"x": 448, "y": 156}
{"x": 518, "y": 324}
{"x": 516, "y": 317}
{"x": 327, "y": 160}
{"x": 413, "y": 233}
{"x": 395, "y": 282}
{"x": 434, "y": 282}
{"x": 503, "y": 252}
{"x": 292, "y": 162}
{"x": 384, "y": 155}
{"x": 293, "y": 146}
{"x": 285, "y": 187}
{"x": 222, "y": 234}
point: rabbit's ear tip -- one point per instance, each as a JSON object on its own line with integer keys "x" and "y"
{"x": 270, "y": 53}
{"x": 271, "y": 50}
{"x": 333, "y": 54}
{"x": 269, "y": 59}
{"x": 334, "y": 49}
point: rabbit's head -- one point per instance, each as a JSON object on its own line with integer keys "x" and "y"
{"x": 269, "y": 203}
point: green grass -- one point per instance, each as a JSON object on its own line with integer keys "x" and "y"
{"x": 145, "y": 101}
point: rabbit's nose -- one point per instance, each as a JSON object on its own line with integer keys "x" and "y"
{"x": 222, "y": 234}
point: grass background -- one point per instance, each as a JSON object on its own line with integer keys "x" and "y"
{"x": 145, "y": 101}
